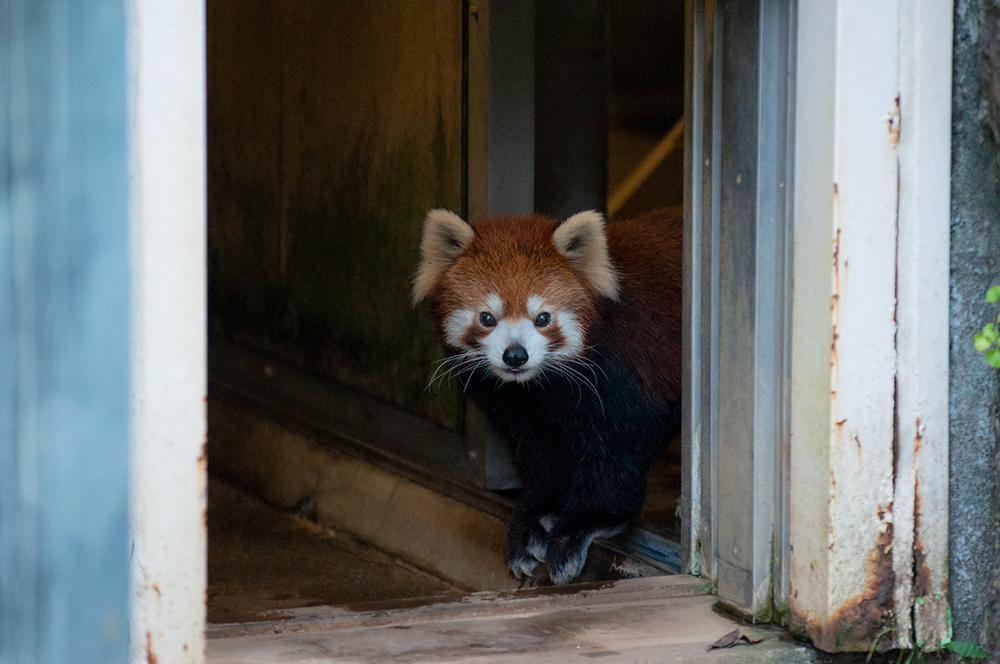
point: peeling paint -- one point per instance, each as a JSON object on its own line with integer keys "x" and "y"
{"x": 893, "y": 120}
{"x": 863, "y": 618}
{"x": 859, "y": 565}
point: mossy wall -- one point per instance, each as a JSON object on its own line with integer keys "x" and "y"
{"x": 332, "y": 128}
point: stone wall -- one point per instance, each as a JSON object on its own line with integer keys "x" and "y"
{"x": 975, "y": 265}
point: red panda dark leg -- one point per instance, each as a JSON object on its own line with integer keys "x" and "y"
{"x": 527, "y": 541}
{"x": 567, "y": 552}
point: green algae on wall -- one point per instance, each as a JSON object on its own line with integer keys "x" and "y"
{"x": 332, "y": 129}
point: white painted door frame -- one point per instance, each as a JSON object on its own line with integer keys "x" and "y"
{"x": 869, "y": 403}
{"x": 868, "y": 340}
{"x": 166, "y": 51}
{"x": 816, "y": 403}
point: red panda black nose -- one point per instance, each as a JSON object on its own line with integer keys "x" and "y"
{"x": 515, "y": 356}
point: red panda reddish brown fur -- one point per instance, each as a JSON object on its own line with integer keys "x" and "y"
{"x": 647, "y": 324}
{"x": 568, "y": 336}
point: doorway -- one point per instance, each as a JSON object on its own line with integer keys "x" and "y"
{"x": 324, "y": 154}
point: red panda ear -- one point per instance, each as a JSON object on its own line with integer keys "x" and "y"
{"x": 581, "y": 239}
{"x": 446, "y": 235}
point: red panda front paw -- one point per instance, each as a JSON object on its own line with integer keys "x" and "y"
{"x": 522, "y": 566}
{"x": 567, "y": 554}
{"x": 527, "y": 547}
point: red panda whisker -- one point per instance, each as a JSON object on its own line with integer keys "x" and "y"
{"x": 572, "y": 379}
{"x": 468, "y": 363}
{"x": 592, "y": 383}
{"x": 577, "y": 377}
{"x": 590, "y": 364}
{"x": 453, "y": 363}
{"x": 439, "y": 365}
{"x": 594, "y": 350}
{"x": 472, "y": 371}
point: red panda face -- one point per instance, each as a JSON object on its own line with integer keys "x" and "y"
{"x": 514, "y": 337}
{"x": 515, "y": 295}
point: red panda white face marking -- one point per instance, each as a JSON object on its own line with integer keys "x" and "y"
{"x": 514, "y": 296}
{"x": 514, "y": 348}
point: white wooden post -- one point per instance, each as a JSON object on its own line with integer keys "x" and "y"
{"x": 168, "y": 465}
{"x": 869, "y": 419}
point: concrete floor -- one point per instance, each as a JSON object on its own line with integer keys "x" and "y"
{"x": 261, "y": 560}
{"x": 664, "y": 619}
{"x": 283, "y": 589}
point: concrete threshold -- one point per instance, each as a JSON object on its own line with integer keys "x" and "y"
{"x": 658, "y": 619}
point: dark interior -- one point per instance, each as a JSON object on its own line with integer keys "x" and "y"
{"x": 332, "y": 129}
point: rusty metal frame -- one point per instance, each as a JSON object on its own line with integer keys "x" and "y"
{"x": 869, "y": 421}
{"x": 920, "y": 556}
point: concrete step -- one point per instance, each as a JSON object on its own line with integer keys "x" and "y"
{"x": 664, "y": 619}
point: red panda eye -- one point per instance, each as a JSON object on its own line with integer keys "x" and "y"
{"x": 542, "y": 319}
{"x": 486, "y": 319}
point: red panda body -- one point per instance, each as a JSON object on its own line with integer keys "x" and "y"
{"x": 568, "y": 337}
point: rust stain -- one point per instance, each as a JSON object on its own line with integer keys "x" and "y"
{"x": 835, "y": 297}
{"x": 836, "y": 271}
{"x": 156, "y": 589}
{"x": 203, "y": 457}
{"x": 893, "y": 120}
{"x": 151, "y": 657}
{"x": 863, "y": 618}
{"x": 921, "y": 573}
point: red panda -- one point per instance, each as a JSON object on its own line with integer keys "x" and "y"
{"x": 568, "y": 337}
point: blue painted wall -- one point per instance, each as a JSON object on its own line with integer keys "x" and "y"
{"x": 64, "y": 332}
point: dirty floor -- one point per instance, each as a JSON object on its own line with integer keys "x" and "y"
{"x": 663, "y": 619}
{"x": 261, "y": 560}
{"x": 283, "y": 589}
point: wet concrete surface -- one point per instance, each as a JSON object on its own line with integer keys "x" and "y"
{"x": 262, "y": 560}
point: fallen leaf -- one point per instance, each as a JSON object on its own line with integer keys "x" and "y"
{"x": 734, "y": 638}
{"x": 728, "y": 641}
